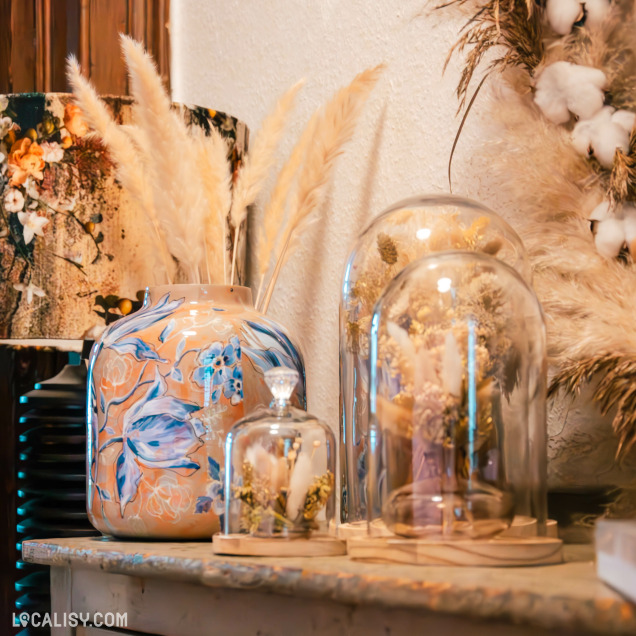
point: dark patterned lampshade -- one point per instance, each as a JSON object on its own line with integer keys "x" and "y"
{"x": 70, "y": 240}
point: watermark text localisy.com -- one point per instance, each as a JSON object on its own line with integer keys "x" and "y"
{"x": 70, "y": 619}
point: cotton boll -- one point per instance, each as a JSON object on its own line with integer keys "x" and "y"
{"x": 625, "y": 119}
{"x": 550, "y": 91}
{"x": 602, "y": 135}
{"x": 610, "y": 237}
{"x": 582, "y": 136}
{"x": 629, "y": 223}
{"x": 562, "y": 14}
{"x": 563, "y": 88}
{"x": 595, "y": 12}
{"x": 606, "y": 140}
{"x": 601, "y": 212}
{"x": 585, "y": 95}
{"x": 553, "y": 107}
{"x": 585, "y": 99}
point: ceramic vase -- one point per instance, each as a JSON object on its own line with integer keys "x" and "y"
{"x": 166, "y": 384}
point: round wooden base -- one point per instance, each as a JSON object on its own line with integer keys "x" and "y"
{"x": 521, "y": 527}
{"x": 503, "y": 551}
{"x": 246, "y": 545}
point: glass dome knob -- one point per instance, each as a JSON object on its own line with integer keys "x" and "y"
{"x": 281, "y": 382}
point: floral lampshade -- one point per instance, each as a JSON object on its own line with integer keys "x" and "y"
{"x": 71, "y": 256}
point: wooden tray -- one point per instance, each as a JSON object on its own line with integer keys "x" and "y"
{"x": 246, "y": 545}
{"x": 505, "y": 551}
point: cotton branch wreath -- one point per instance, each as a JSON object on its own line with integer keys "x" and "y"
{"x": 564, "y": 154}
{"x": 180, "y": 177}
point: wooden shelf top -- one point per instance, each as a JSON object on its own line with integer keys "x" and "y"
{"x": 564, "y": 596}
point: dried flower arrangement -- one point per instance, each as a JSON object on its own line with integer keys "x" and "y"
{"x": 195, "y": 207}
{"x": 396, "y": 250}
{"x": 565, "y": 155}
{"x": 279, "y": 493}
{"x": 445, "y": 363}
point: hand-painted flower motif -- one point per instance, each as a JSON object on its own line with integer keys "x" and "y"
{"x": 6, "y": 124}
{"x": 168, "y": 499}
{"x": 117, "y": 335}
{"x": 158, "y": 431}
{"x": 118, "y": 372}
{"x": 25, "y": 159}
{"x": 33, "y": 225}
{"x": 233, "y": 386}
{"x": 266, "y": 346}
{"x": 29, "y": 291}
{"x": 13, "y": 200}
{"x": 215, "y": 497}
{"x": 212, "y": 363}
{"x": 73, "y": 120}
{"x": 52, "y": 152}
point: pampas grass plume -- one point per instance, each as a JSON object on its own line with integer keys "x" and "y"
{"x": 176, "y": 185}
{"x": 333, "y": 129}
{"x": 259, "y": 161}
{"x": 128, "y": 168}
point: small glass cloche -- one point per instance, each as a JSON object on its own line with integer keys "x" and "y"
{"x": 280, "y": 468}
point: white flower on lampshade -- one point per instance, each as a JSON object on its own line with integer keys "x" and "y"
{"x": 6, "y": 124}
{"x": 614, "y": 231}
{"x": 563, "y": 88}
{"x": 29, "y": 291}
{"x": 562, "y": 14}
{"x": 52, "y": 152}
{"x": 33, "y": 225}
{"x": 601, "y": 135}
{"x": 13, "y": 200}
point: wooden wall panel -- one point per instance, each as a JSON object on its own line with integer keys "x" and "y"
{"x": 5, "y": 42}
{"x": 107, "y": 70}
{"x": 65, "y": 24}
{"x": 22, "y": 55}
{"x": 37, "y": 36}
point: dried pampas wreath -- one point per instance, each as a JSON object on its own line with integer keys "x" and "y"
{"x": 563, "y": 153}
{"x": 566, "y": 156}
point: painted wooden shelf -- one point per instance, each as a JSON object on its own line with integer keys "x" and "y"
{"x": 327, "y": 591}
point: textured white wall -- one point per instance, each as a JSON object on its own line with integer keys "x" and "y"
{"x": 239, "y": 55}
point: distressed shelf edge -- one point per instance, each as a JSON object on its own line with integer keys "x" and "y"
{"x": 598, "y": 609}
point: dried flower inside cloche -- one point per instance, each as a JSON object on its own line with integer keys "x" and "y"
{"x": 281, "y": 464}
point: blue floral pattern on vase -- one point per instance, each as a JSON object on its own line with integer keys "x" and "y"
{"x": 166, "y": 385}
{"x": 158, "y": 432}
{"x": 214, "y": 499}
{"x": 117, "y": 336}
